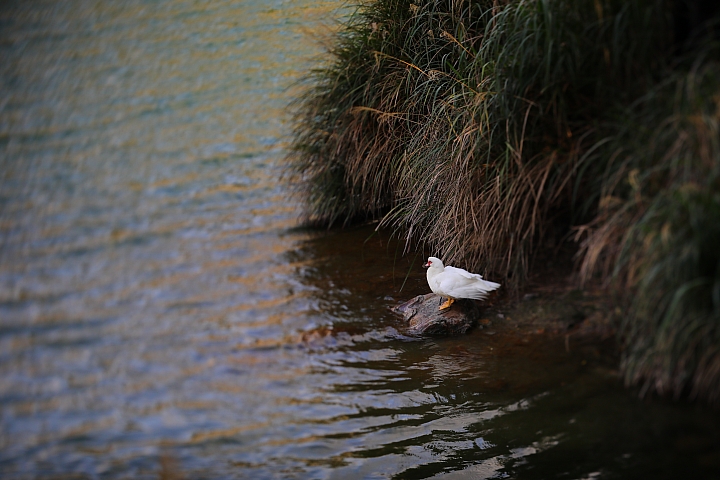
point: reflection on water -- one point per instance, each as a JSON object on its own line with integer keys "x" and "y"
{"x": 162, "y": 316}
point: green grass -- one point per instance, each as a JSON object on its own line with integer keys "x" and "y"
{"x": 487, "y": 130}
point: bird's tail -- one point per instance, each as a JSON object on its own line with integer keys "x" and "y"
{"x": 490, "y": 286}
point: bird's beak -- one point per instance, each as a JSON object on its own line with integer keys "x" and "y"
{"x": 426, "y": 265}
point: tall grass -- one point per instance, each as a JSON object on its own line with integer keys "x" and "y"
{"x": 485, "y": 128}
{"x": 463, "y": 124}
{"x": 657, "y": 234}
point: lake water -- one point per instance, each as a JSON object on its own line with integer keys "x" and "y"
{"x": 162, "y": 315}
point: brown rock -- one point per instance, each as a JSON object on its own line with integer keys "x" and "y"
{"x": 423, "y": 316}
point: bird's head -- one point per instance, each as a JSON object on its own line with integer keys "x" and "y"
{"x": 434, "y": 262}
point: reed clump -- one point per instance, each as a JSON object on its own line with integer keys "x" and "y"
{"x": 490, "y": 129}
{"x": 656, "y": 233}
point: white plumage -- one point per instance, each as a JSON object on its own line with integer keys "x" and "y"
{"x": 455, "y": 283}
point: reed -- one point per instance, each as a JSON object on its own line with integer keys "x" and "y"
{"x": 463, "y": 124}
{"x": 657, "y": 233}
{"x": 490, "y": 129}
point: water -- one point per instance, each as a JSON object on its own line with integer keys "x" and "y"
{"x": 162, "y": 316}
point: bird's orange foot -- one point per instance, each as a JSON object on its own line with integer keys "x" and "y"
{"x": 447, "y": 304}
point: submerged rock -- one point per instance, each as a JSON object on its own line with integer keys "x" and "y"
{"x": 423, "y": 316}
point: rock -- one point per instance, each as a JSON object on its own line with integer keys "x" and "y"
{"x": 423, "y": 316}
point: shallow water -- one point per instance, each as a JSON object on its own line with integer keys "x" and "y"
{"x": 162, "y": 316}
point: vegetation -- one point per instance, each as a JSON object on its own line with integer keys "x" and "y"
{"x": 492, "y": 129}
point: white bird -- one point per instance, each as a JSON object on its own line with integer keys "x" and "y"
{"x": 455, "y": 283}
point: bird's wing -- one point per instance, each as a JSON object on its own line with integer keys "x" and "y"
{"x": 449, "y": 283}
{"x": 477, "y": 289}
{"x": 463, "y": 272}
{"x": 470, "y": 291}
{"x": 459, "y": 286}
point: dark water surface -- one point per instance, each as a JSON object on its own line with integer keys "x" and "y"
{"x": 161, "y": 316}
